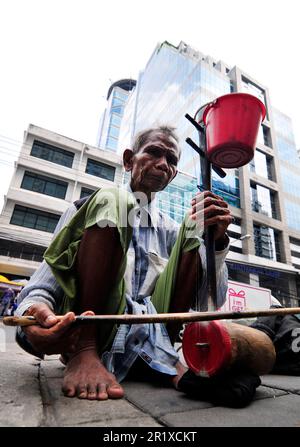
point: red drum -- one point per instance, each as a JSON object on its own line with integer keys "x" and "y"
{"x": 232, "y": 124}
{"x": 215, "y": 346}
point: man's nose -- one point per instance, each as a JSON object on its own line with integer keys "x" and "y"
{"x": 162, "y": 163}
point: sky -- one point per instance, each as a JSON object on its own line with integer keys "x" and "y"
{"x": 59, "y": 57}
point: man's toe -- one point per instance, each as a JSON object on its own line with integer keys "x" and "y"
{"x": 68, "y": 390}
{"x": 115, "y": 391}
{"x": 92, "y": 392}
{"x": 82, "y": 391}
{"x": 102, "y": 392}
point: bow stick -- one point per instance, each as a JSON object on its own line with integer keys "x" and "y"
{"x": 184, "y": 317}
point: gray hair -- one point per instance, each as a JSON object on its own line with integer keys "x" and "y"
{"x": 142, "y": 137}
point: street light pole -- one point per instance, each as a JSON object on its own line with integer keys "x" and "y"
{"x": 245, "y": 236}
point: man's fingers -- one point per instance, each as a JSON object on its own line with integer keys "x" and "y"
{"x": 204, "y": 195}
{"x": 43, "y": 314}
{"x": 212, "y": 211}
{"x": 53, "y": 336}
{"x": 56, "y": 331}
{"x": 207, "y": 202}
{"x": 215, "y": 201}
{"x": 64, "y": 324}
{"x": 219, "y": 220}
{"x": 88, "y": 312}
{"x": 57, "y": 339}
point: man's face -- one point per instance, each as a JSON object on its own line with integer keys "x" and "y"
{"x": 154, "y": 165}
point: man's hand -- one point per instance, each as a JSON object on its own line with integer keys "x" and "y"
{"x": 211, "y": 210}
{"x": 53, "y": 336}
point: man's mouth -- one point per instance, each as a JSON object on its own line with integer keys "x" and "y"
{"x": 159, "y": 176}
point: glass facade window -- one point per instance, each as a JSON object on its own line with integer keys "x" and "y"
{"x": 118, "y": 101}
{"x": 295, "y": 241}
{"x": 115, "y": 120}
{"x": 228, "y": 187}
{"x": 121, "y": 95}
{"x": 285, "y": 140}
{"x": 111, "y": 144}
{"x": 52, "y": 153}
{"x": 290, "y": 181}
{"x": 236, "y": 274}
{"x": 114, "y": 131}
{"x": 21, "y": 251}
{"x": 260, "y": 136}
{"x": 264, "y": 136}
{"x": 261, "y": 164}
{"x": 266, "y": 242}
{"x": 236, "y": 244}
{"x": 44, "y": 185}
{"x": 176, "y": 198}
{"x": 172, "y": 85}
{"x": 287, "y": 151}
{"x": 233, "y": 234}
{"x": 252, "y": 165}
{"x": 85, "y": 192}
{"x": 249, "y": 87}
{"x": 296, "y": 254}
{"x": 267, "y": 136}
{"x": 99, "y": 169}
{"x": 277, "y": 282}
{"x": 252, "y": 89}
{"x": 263, "y": 201}
{"x": 292, "y": 211}
{"x": 35, "y": 219}
{"x": 117, "y": 110}
{"x": 235, "y": 249}
{"x": 283, "y": 125}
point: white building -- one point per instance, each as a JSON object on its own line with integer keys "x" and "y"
{"x": 52, "y": 172}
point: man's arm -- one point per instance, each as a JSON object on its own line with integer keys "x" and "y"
{"x": 43, "y": 287}
{"x": 41, "y": 298}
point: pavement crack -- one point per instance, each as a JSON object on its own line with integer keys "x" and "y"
{"x": 289, "y": 391}
{"x": 155, "y": 418}
{"x": 49, "y": 418}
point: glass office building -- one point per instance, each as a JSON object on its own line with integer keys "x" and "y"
{"x": 109, "y": 128}
{"x": 173, "y": 84}
{"x": 263, "y": 195}
{"x": 289, "y": 168}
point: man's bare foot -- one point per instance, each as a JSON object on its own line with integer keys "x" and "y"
{"x": 181, "y": 369}
{"x": 87, "y": 378}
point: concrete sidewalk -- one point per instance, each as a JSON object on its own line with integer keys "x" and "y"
{"x": 31, "y": 397}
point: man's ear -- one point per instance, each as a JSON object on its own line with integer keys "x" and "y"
{"x": 127, "y": 159}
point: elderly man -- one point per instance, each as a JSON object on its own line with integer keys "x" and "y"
{"x": 117, "y": 253}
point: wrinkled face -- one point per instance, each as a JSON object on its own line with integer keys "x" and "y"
{"x": 154, "y": 165}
